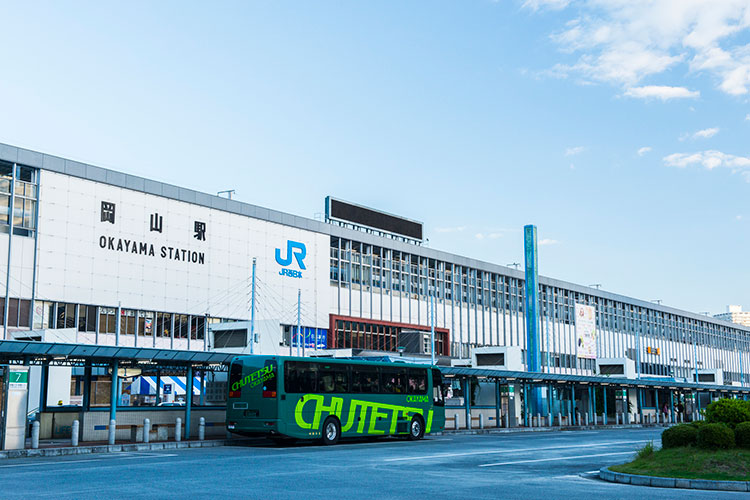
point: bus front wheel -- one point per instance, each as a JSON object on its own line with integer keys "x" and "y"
{"x": 416, "y": 428}
{"x": 331, "y": 431}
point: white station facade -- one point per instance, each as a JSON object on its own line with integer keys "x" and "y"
{"x": 92, "y": 247}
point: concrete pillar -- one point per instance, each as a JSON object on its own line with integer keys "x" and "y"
{"x": 178, "y": 429}
{"x": 114, "y": 396}
{"x": 74, "y": 433}
{"x": 35, "y": 435}
{"x": 111, "y": 430}
{"x": 202, "y": 428}
{"x": 481, "y": 421}
{"x": 455, "y": 421}
{"x": 146, "y": 430}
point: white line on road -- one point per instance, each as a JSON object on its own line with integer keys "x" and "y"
{"x": 517, "y": 450}
{"x": 92, "y": 459}
{"x": 558, "y": 458}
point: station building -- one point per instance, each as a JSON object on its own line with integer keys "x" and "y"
{"x": 100, "y": 257}
{"x": 88, "y": 242}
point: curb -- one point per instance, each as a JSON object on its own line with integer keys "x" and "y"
{"x": 513, "y": 430}
{"x": 117, "y": 448}
{"x": 672, "y": 482}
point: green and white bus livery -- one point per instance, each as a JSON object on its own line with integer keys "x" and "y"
{"x": 325, "y": 399}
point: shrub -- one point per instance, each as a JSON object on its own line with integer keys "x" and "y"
{"x": 713, "y": 436}
{"x": 728, "y": 411}
{"x": 742, "y": 435}
{"x": 646, "y": 451}
{"x": 679, "y": 435}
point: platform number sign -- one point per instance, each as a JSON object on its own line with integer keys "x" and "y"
{"x": 167, "y": 388}
{"x": 18, "y": 379}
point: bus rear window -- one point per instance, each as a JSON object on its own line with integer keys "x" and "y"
{"x": 235, "y": 376}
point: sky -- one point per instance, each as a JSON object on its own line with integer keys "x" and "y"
{"x": 618, "y": 127}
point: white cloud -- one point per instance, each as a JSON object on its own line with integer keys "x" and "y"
{"x": 711, "y": 159}
{"x": 491, "y": 235}
{"x": 456, "y": 229}
{"x": 738, "y": 217}
{"x": 747, "y": 117}
{"x": 706, "y": 133}
{"x": 645, "y": 149}
{"x": 574, "y": 151}
{"x": 622, "y": 42}
{"x": 545, "y": 4}
{"x": 662, "y": 92}
{"x": 547, "y": 241}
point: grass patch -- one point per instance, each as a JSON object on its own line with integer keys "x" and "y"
{"x": 691, "y": 463}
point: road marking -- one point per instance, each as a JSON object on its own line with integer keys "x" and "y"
{"x": 558, "y": 458}
{"x": 127, "y": 456}
{"x": 517, "y": 450}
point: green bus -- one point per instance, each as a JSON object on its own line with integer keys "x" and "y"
{"x": 325, "y": 399}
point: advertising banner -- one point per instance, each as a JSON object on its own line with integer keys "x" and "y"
{"x": 586, "y": 331}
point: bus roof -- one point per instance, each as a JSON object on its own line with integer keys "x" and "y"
{"x": 379, "y": 361}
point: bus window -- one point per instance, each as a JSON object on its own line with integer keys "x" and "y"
{"x": 333, "y": 378}
{"x": 365, "y": 379}
{"x": 437, "y": 388}
{"x": 235, "y": 376}
{"x": 300, "y": 377}
{"x": 417, "y": 381}
{"x": 394, "y": 380}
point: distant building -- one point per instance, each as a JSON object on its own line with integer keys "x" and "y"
{"x": 735, "y": 314}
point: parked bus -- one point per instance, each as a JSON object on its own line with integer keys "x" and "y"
{"x": 326, "y": 399}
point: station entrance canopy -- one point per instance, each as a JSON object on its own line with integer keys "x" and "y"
{"x": 39, "y": 353}
{"x": 505, "y": 376}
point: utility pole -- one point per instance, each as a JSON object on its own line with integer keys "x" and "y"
{"x": 432, "y": 327}
{"x": 252, "y": 313}
{"x": 299, "y": 303}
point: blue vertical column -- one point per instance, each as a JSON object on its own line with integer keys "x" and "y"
{"x": 533, "y": 355}
{"x": 188, "y": 399}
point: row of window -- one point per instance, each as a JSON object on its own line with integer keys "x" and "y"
{"x": 86, "y": 318}
{"x": 310, "y": 377}
{"x": 25, "y": 198}
{"x": 357, "y": 264}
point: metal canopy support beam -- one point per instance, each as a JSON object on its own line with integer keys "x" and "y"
{"x": 604, "y": 419}
{"x": 43, "y": 386}
{"x": 497, "y": 403}
{"x": 188, "y": 399}
{"x": 672, "y": 411}
{"x": 86, "y": 406}
{"x": 114, "y": 396}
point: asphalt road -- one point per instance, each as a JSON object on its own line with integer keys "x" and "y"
{"x": 528, "y": 466}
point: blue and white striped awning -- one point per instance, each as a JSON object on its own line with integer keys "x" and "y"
{"x": 146, "y": 385}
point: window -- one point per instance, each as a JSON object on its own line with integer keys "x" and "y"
{"x": 437, "y": 388}
{"x": 300, "y": 377}
{"x": 333, "y": 378}
{"x": 394, "y": 380}
{"x": 107, "y": 320}
{"x": 365, "y": 379}
{"x": 163, "y": 324}
{"x": 417, "y": 381}
{"x": 86, "y": 318}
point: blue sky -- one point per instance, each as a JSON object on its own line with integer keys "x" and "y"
{"x": 620, "y": 128}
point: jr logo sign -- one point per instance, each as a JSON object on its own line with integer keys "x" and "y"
{"x": 293, "y": 249}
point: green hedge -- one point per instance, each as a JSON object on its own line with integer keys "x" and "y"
{"x": 728, "y": 411}
{"x": 742, "y": 435}
{"x": 679, "y": 435}
{"x": 715, "y": 436}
